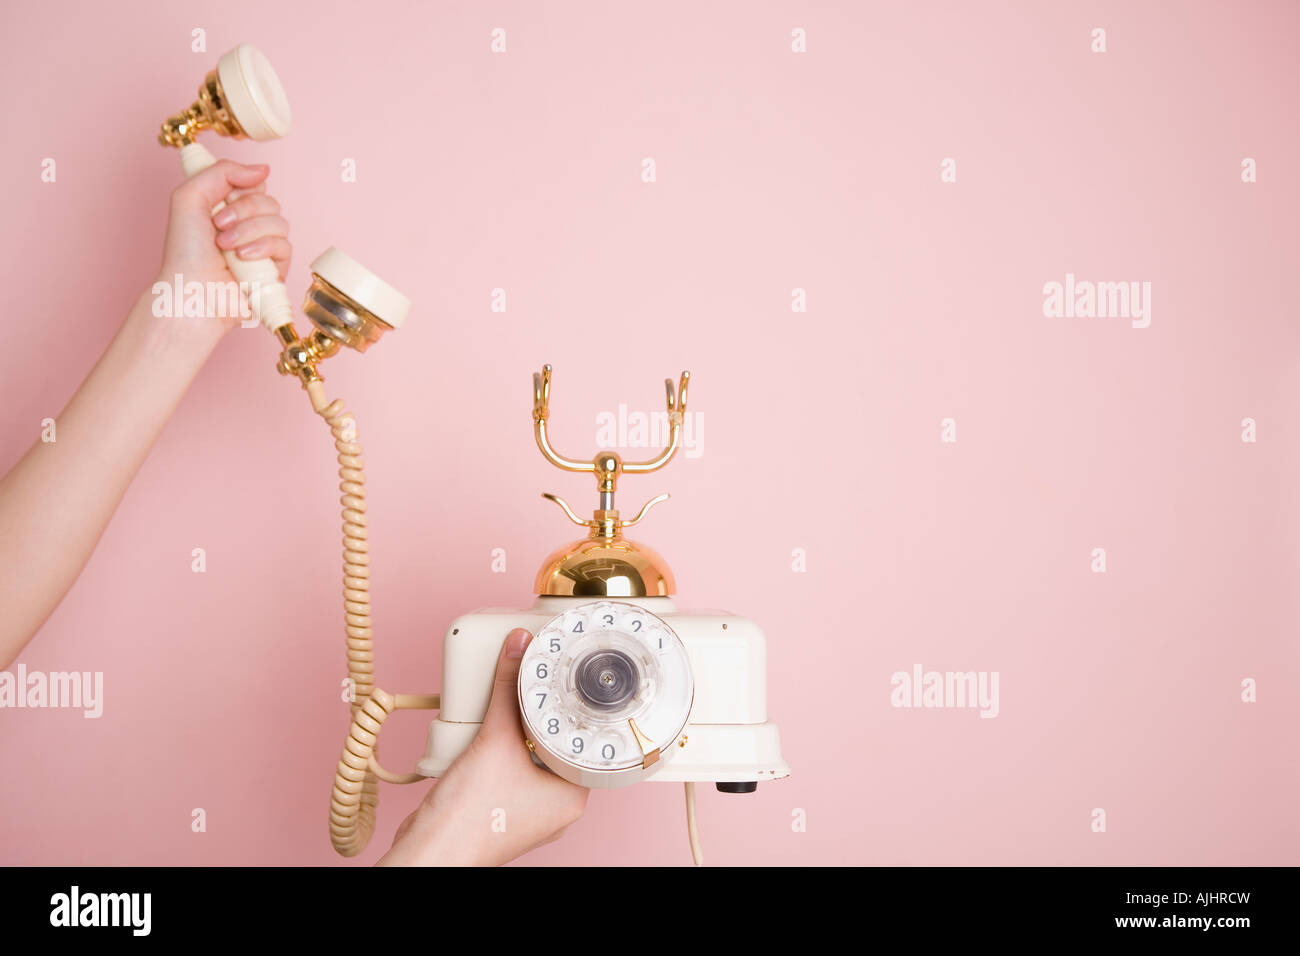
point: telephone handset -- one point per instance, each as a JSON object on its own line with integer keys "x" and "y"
{"x": 348, "y": 304}
{"x": 618, "y": 685}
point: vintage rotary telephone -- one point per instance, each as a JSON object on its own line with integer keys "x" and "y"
{"x": 618, "y": 685}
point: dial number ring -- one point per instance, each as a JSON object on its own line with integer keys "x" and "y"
{"x": 605, "y": 686}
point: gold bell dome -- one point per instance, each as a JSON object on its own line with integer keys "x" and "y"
{"x": 605, "y": 567}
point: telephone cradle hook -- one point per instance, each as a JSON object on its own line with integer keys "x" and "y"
{"x": 606, "y": 563}
{"x": 607, "y": 466}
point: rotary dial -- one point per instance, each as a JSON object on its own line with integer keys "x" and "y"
{"x": 605, "y": 690}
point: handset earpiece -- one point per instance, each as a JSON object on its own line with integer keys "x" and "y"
{"x": 241, "y": 98}
{"x": 253, "y": 93}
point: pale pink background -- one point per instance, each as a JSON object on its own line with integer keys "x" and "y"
{"x": 775, "y": 171}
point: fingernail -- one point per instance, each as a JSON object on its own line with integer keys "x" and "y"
{"x": 515, "y": 642}
{"x": 224, "y": 218}
{"x": 251, "y": 250}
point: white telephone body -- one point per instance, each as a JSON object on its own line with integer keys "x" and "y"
{"x": 618, "y": 684}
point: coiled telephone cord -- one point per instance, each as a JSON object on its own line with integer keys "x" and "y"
{"x": 355, "y": 796}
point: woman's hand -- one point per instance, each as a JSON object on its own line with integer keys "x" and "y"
{"x": 250, "y": 224}
{"x": 493, "y": 803}
{"x": 56, "y": 502}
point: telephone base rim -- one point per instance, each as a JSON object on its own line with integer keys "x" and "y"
{"x": 702, "y": 760}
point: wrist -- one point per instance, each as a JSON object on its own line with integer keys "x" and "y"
{"x": 431, "y": 840}
{"x": 158, "y": 324}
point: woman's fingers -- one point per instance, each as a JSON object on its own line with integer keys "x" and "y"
{"x": 245, "y": 206}
{"x": 249, "y": 222}
{"x": 260, "y": 237}
{"x": 276, "y": 248}
{"x": 503, "y": 707}
{"x": 246, "y": 231}
{"x": 211, "y": 186}
{"x": 236, "y": 193}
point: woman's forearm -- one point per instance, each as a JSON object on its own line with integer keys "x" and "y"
{"x": 57, "y": 500}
